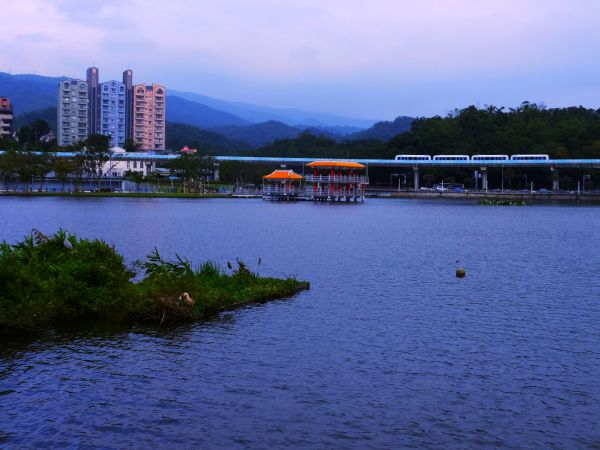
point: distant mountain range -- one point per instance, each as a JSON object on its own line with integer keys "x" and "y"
{"x": 294, "y": 117}
{"x": 29, "y": 92}
{"x": 238, "y": 124}
{"x": 185, "y": 111}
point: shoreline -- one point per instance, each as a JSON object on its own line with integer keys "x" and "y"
{"x": 112, "y": 194}
{"x": 536, "y": 197}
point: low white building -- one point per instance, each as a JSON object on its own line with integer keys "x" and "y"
{"x": 117, "y": 168}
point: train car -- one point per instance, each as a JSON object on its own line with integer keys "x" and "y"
{"x": 489, "y": 158}
{"x": 451, "y": 158}
{"x": 529, "y": 158}
{"x": 413, "y": 158}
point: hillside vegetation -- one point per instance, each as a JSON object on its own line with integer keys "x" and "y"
{"x": 560, "y": 132}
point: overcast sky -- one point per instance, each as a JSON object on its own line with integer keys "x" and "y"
{"x": 361, "y": 58}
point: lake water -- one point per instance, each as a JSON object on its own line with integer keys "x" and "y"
{"x": 387, "y": 350}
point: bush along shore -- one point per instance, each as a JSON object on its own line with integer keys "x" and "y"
{"x": 44, "y": 280}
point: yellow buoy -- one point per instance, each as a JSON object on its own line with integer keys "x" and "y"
{"x": 460, "y": 272}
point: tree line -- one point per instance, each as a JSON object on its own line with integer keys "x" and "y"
{"x": 91, "y": 162}
{"x": 530, "y": 128}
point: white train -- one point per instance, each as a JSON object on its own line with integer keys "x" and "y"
{"x": 472, "y": 158}
{"x": 489, "y": 158}
{"x": 451, "y": 158}
{"x": 529, "y": 158}
{"x": 413, "y": 158}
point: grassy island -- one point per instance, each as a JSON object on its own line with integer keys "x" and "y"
{"x": 44, "y": 280}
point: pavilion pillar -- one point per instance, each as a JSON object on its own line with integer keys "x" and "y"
{"x": 216, "y": 174}
{"x": 331, "y": 185}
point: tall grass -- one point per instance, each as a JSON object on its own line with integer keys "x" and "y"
{"x": 44, "y": 279}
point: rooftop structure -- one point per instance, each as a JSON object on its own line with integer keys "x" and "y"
{"x": 93, "y": 85}
{"x": 188, "y": 151}
{"x": 128, "y": 82}
{"x": 6, "y": 117}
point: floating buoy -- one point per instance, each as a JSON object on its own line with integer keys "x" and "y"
{"x": 460, "y": 272}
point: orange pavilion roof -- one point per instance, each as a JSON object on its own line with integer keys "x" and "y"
{"x": 283, "y": 175}
{"x": 336, "y": 164}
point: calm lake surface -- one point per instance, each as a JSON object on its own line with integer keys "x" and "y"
{"x": 387, "y": 350}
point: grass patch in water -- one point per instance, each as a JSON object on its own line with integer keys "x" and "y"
{"x": 48, "y": 279}
{"x": 487, "y": 202}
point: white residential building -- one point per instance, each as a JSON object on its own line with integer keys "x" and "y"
{"x": 112, "y": 112}
{"x": 72, "y": 120}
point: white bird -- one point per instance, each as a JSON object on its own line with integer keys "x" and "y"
{"x": 68, "y": 244}
{"x": 186, "y": 298}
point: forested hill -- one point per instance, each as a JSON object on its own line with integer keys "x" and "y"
{"x": 560, "y": 132}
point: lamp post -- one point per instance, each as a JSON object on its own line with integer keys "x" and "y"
{"x": 583, "y": 178}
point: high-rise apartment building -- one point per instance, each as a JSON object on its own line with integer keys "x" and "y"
{"x": 128, "y": 82}
{"x": 112, "y": 112}
{"x": 93, "y": 83}
{"x": 72, "y": 119}
{"x": 149, "y": 116}
{"x": 6, "y": 117}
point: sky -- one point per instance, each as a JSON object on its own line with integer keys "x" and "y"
{"x": 373, "y": 59}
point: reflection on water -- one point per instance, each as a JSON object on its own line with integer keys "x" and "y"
{"x": 388, "y": 349}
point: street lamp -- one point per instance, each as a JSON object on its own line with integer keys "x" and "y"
{"x": 583, "y": 178}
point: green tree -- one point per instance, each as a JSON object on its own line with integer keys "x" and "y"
{"x": 154, "y": 179}
{"x": 8, "y": 168}
{"x": 131, "y": 146}
{"x": 94, "y": 154}
{"x": 62, "y": 168}
{"x": 192, "y": 170}
{"x": 29, "y": 135}
{"x": 134, "y": 176}
{"x": 42, "y": 165}
{"x": 429, "y": 179}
